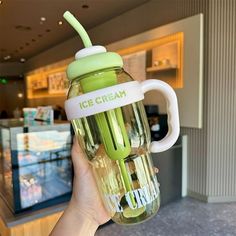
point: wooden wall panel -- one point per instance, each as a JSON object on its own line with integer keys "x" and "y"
{"x": 221, "y": 139}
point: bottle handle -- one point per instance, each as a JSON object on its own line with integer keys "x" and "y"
{"x": 172, "y": 111}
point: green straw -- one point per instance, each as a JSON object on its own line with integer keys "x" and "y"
{"x": 126, "y": 180}
{"x": 79, "y": 28}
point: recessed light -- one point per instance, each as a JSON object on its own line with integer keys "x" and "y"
{"x": 43, "y": 18}
{"x": 85, "y": 6}
{"x": 60, "y": 22}
{"x": 0, "y": 2}
{"x": 22, "y": 60}
{"x": 20, "y": 95}
{"x": 7, "y": 57}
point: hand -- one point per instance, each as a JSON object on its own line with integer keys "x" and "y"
{"x": 85, "y": 211}
{"x": 86, "y": 198}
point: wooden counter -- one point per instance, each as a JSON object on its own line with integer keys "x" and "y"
{"x": 37, "y": 223}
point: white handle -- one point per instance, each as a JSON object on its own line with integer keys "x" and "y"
{"x": 172, "y": 111}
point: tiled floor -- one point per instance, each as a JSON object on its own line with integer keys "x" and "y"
{"x": 184, "y": 217}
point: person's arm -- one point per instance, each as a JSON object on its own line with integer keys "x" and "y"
{"x": 85, "y": 211}
{"x": 73, "y": 223}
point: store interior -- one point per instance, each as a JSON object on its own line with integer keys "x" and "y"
{"x": 187, "y": 44}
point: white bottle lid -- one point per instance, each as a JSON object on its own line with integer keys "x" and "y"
{"x": 90, "y": 51}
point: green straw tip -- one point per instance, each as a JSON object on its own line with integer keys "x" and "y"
{"x": 78, "y": 27}
{"x": 66, "y": 14}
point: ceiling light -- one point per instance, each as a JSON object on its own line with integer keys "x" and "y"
{"x": 0, "y": 2}
{"x": 20, "y": 95}
{"x": 22, "y": 60}
{"x": 43, "y": 18}
{"x": 60, "y": 22}
{"x": 7, "y": 57}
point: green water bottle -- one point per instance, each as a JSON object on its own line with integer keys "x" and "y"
{"x": 105, "y": 108}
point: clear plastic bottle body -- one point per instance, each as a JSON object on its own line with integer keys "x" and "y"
{"x": 140, "y": 199}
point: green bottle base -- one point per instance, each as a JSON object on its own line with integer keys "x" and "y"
{"x": 137, "y": 217}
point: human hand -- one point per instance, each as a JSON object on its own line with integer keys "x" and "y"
{"x": 86, "y": 198}
{"x": 85, "y": 211}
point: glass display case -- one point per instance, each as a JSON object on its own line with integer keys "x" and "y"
{"x": 35, "y": 165}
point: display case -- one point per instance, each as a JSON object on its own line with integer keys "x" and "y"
{"x": 35, "y": 165}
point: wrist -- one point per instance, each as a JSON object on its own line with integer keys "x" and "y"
{"x": 86, "y": 221}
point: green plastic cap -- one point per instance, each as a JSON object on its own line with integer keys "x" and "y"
{"x": 91, "y": 58}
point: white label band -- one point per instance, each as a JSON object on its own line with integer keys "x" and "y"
{"x": 103, "y": 100}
